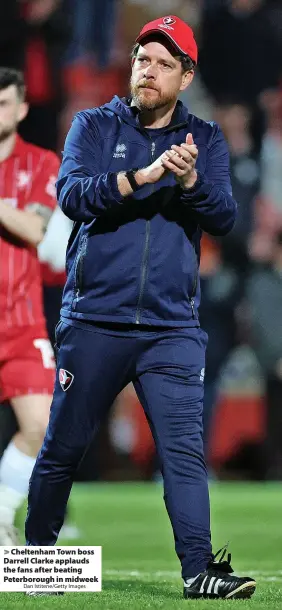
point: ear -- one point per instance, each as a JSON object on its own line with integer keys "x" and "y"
{"x": 187, "y": 78}
{"x": 23, "y": 111}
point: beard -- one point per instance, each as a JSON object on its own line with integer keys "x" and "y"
{"x": 6, "y": 132}
{"x": 146, "y": 99}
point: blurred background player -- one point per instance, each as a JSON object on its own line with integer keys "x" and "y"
{"x": 27, "y": 200}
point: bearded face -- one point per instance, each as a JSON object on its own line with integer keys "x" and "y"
{"x": 148, "y": 97}
{"x": 157, "y": 77}
{"x": 12, "y": 111}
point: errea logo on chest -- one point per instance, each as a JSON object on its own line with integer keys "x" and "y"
{"x": 120, "y": 151}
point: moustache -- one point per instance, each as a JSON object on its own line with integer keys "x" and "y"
{"x": 146, "y": 86}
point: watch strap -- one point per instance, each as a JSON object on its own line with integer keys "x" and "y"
{"x": 130, "y": 174}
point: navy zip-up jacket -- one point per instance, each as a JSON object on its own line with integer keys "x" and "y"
{"x": 135, "y": 259}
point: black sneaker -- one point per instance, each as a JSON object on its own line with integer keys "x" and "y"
{"x": 216, "y": 582}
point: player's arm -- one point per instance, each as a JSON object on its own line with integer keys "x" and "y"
{"x": 29, "y": 225}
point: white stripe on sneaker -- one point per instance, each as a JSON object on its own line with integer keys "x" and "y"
{"x": 202, "y": 585}
{"x": 219, "y": 580}
{"x": 210, "y": 587}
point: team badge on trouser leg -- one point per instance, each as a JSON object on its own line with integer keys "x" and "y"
{"x": 66, "y": 378}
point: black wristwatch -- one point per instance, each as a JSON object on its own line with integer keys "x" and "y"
{"x": 130, "y": 174}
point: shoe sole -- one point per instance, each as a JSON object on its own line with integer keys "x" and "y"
{"x": 245, "y": 591}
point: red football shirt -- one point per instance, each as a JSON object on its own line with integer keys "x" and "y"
{"x": 27, "y": 176}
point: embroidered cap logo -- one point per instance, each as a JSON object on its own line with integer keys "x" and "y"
{"x": 168, "y": 20}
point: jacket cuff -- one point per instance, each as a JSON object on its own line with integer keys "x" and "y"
{"x": 199, "y": 189}
{"x": 116, "y": 195}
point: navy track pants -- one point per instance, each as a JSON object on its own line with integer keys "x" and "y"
{"x": 94, "y": 364}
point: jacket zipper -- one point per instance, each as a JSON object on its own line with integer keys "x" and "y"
{"x": 79, "y": 270}
{"x": 194, "y": 290}
{"x": 144, "y": 264}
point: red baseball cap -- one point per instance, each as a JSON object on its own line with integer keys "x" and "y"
{"x": 176, "y": 30}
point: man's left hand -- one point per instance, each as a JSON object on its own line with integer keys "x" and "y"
{"x": 181, "y": 161}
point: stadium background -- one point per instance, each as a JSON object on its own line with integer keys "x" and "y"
{"x": 75, "y": 55}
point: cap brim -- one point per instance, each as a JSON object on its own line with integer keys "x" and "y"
{"x": 162, "y": 33}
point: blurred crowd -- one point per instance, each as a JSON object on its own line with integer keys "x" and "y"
{"x": 75, "y": 54}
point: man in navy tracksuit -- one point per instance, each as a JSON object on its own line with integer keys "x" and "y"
{"x": 141, "y": 178}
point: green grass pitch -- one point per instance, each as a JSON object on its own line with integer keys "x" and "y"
{"x": 140, "y": 569}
